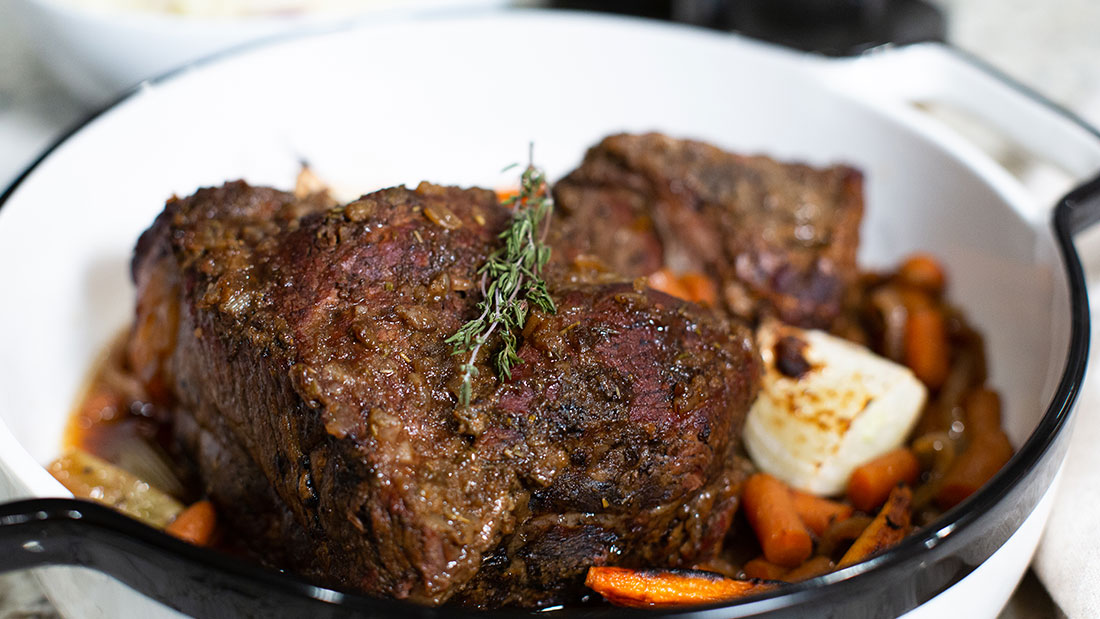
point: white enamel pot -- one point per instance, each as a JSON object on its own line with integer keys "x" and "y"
{"x": 456, "y": 100}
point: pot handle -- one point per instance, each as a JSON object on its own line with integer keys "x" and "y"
{"x": 936, "y": 73}
{"x": 196, "y": 581}
{"x": 1079, "y": 210}
{"x": 41, "y": 532}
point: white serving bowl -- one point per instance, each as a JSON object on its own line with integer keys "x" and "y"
{"x": 462, "y": 99}
{"x": 98, "y": 53}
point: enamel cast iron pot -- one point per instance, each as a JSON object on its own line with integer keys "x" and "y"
{"x": 456, "y": 100}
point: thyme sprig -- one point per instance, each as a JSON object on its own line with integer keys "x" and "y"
{"x": 511, "y": 282}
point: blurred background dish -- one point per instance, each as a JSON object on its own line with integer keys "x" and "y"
{"x": 99, "y": 48}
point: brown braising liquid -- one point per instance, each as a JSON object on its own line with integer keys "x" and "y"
{"x": 115, "y": 413}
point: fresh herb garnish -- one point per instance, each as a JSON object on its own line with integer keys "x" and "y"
{"x": 511, "y": 282}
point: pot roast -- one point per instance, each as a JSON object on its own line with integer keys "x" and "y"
{"x": 779, "y": 239}
{"x": 302, "y": 347}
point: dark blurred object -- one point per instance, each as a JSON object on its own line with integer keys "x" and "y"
{"x": 834, "y": 27}
{"x": 656, "y": 9}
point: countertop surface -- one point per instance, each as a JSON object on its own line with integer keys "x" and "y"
{"x": 1051, "y": 46}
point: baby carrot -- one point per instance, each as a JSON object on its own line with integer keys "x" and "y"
{"x": 700, "y": 288}
{"x": 983, "y": 411}
{"x": 811, "y": 568}
{"x": 195, "y": 524}
{"x": 665, "y": 588}
{"x": 927, "y": 352}
{"x": 924, "y": 272}
{"x": 770, "y": 510}
{"x": 988, "y": 450}
{"x": 667, "y": 282}
{"x": 842, "y": 533}
{"x": 507, "y": 194}
{"x": 818, "y": 513}
{"x": 872, "y": 482}
{"x": 972, "y": 468}
{"x": 889, "y": 527}
{"x": 763, "y": 569}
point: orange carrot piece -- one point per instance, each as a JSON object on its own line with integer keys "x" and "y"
{"x": 988, "y": 450}
{"x": 667, "y": 282}
{"x": 667, "y": 588}
{"x": 700, "y": 288}
{"x": 195, "y": 524}
{"x": 983, "y": 411}
{"x": 770, "y": 510}
{"x": 924, "y": 272}
{"x": 717, "y": 565}
{"x": 872, "y": 482}
{"x": 505, "y": 194}
{"x": 927, "y": 351}
{"x": 811, "y": 568}
{"x": 763, "y": 569}
{"x": 818, "y": 513}
{"x": 914, "y": 299}
{"x": 972, "y": 468}
{"x": 889, "y": 527}
{"x": 842, "y": 533}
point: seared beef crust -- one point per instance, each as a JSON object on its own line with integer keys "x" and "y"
{"x": 780, "y": 239}
{"x": 304, "y": 347}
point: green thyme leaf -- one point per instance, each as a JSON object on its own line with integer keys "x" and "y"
{"x": 511, "y": 283}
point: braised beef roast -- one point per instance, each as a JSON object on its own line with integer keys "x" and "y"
{"x": 778, "y": 238}
{"x": 303, "y": 346}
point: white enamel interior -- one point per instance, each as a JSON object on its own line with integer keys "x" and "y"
{"x": 455, "y": 102}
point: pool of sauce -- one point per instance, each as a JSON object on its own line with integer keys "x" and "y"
{"x": 116, "y": 412}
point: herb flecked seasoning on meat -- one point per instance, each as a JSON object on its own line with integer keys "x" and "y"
{"x": 304, "y": 349}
